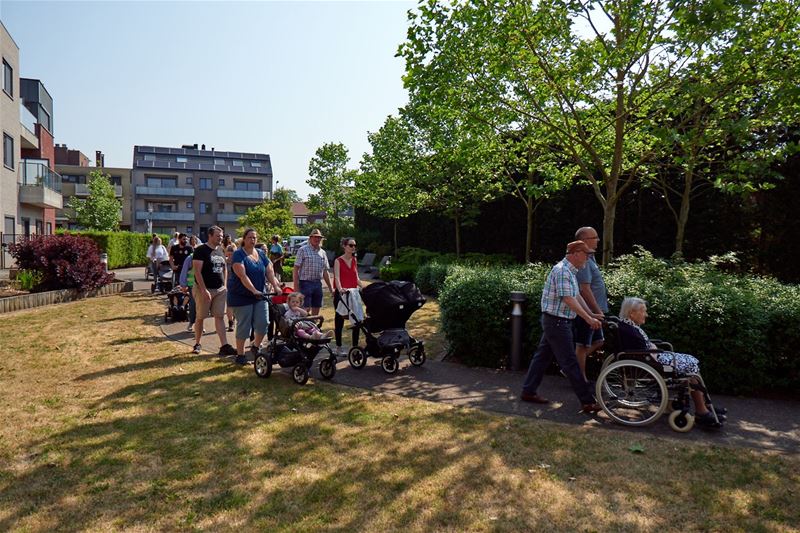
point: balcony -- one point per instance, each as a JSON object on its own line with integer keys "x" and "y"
{"x": 165, "y": 215}
{"x": 82, "y": 189}
{"x": 229, "y": 217}
{"x": 27, "y": 133}
{"x": 256, "y": 196}
{"x": 39, "y": 185}
{"x": 163, "y": 191}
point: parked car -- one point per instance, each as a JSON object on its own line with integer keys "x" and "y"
{"x": 295, "y": 242}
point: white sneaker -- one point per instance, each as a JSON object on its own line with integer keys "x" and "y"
{"x": 190, "y": 327}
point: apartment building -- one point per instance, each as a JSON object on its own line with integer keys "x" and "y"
{"x": 74, "y": 180}
{"x": 30, "y": 190}
{"x": 189, "y": 189}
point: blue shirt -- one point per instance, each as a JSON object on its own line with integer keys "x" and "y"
{"x": 591, "y": 274}
{"x": 238, "y": 295}
{"x": 561, "y": 281}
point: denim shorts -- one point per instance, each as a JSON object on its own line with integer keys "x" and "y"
{"x": 584, "y": 335}
{"x": 312, "y": 291}
{"x": 254, "y": 315}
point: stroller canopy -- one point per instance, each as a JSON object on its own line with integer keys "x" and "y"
{"x": 390, "y": 305}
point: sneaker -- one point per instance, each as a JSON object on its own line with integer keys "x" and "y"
{"x": 241, "y": 360}
{"x": 190, "y": 327}
{"x": 226, "y": 350}
{"x": 197, "y": 348}
{"x": 230, "y": 325}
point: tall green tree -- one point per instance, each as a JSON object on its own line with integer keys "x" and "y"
{"x": 101, "y": 210}
{"x": 329, "y": 175}
{"x": 285, "y": 197}
{"x": 577, "y": 70}
{"x": 268, "y": 218}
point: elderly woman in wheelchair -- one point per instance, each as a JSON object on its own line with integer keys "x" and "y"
{"x": 643, "y": 377}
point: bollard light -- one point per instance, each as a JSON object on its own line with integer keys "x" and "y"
{"x": 517, "y": 323}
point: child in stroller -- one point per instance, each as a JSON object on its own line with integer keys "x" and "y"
{"x": 162, "y": 281}
{"x": 303, "y": 329}
{"x": 177, "y": 306}
{"x": 295, "y": 343}
{"x": 389, "y": 306}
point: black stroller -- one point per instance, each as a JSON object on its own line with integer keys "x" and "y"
{"x": 389, "y": 306}
{"x": 287, "y": 349}
{"x": 162, "y": 282}
{"x": 177, "y": 306}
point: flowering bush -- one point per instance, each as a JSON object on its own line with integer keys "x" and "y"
{"x": 64, "y": 261}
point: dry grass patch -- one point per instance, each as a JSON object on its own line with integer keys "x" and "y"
{"x": 107, "y": 426}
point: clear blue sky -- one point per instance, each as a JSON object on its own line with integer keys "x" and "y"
{"x": 276, "y": 77}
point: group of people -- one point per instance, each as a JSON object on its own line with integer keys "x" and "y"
{"x": 574, "y": 304}
{"x": 222, "y": 279}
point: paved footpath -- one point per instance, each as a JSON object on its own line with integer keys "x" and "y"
{"x": 766, "y": 425}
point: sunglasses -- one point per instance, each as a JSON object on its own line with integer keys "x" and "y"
{"x": 351, "y": 245}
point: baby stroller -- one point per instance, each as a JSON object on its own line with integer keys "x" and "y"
{"x": 287, "y": 349}
{"x": 177, "y": 306}
{"x": 634, "y": 388}
{"x": 163, "y": 279}
{"x": 389, "y": 306}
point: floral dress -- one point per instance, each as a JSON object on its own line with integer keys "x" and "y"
{"x": 682, "y": 362}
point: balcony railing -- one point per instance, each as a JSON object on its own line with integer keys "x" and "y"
{"x": 243, "y": 195}
{"x": 229, "y": 217}
{"x": 163, "y": 191}
{"x": 27, "y": 119}
{"x": 164, "y": 215}
{"x": 36, "y": 172}
{"x": 82, "y": 189}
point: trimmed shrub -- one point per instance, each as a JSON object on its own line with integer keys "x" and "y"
{"x": 398, "y": 271}
{"x": 124, "y": 248}
{"x": 430, "y": 276}
{"x": 415, "y": 256}
{"x": 64, "y": 262}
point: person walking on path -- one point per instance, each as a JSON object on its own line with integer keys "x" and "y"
{"x": 593, "y": 290}
{"x": 310, "y": 268}
{"x": 250, "y": 270}
{"x": 228, "y": 246}
{"x": 276, "y": 256}
{"x": 208, "y": 263}
{"x": 178, "y": 253}
{"x": 186, "y": 282}
{"x": 561, "y": 303}
{"x": 345, "y": 277}
{"x": 157, "y": 254}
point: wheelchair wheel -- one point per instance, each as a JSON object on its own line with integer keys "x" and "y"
{"x": 357, "y": 357}
{"x": 417, "y": 355}
{"x": 632, "y": 393}
{"x": 389, "y": 364}
{"x": 300, "y": 373}
{"x": 680, "y": 421}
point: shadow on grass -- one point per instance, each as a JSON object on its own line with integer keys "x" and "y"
{"x": 187, "y": 450}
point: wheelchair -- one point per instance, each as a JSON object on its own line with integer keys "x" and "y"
{"x": 635, "y": 389}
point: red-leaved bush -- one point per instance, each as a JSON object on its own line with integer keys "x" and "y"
{"x": 65, "y": 261}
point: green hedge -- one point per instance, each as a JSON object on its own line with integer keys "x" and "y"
{"x": 398, "y": 271}
{"x": 124, "y": 248}
{"x": 742, "y": 328}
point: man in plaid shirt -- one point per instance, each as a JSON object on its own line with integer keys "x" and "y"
{"x": 561, "y": 303}
{"x": 310, "y": 268}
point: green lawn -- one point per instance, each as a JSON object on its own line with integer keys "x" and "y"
{"x": 108, "y": 426}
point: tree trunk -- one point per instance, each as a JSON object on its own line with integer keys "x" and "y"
{"x": 683, "y": 214}
{"x": 529, "y": 229}
{"x": 457, "y": 221}
{"x": 395, "y": 238}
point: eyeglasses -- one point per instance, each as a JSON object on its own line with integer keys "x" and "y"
{"x": 316, "y": 236}
{"x": 351, "y": 245}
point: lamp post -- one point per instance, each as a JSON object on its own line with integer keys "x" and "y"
{"x": 149, "y": 219}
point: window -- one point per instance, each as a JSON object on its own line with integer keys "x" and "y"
{"x": 49, "y": 228}
{"x": 73, "y": 178}
{"x": 165, "y": 183}
{"x": 240, "y": 209}
{"x": 149, "y": 157}
{"x": 247, "y": 185}
{"x": 219, "y": 161}
{"x": 159, "y": 207}
{"x": 183, "y": 159}
{"x": 222, "y": 207}
{"x": 221, "y": 182}
{"x": 255, "y": 164}
{"x": 205, "y": 208}
{"x": 116, "y": 180}
{"x": 8, "y": 79}
{"x": 8, "y": 151}
{"x": 205, "y": 184}
{"x": 189, "y": 181}
{"x": 237, "y": 163}
{"x": 189, "y": 230}
{"x": 189, "y": 205}
{"x": 164, "y": 230}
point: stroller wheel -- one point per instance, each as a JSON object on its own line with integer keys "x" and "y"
{"x": 389, "y": 364}
{"x": 263, "y": 364}
{"x": 300, "y": 373}
{"x": 357, "y": 358}
{"x": 327, "y": 367}
{"x": 417, "y": 355}
{"x": 680, "y": 421}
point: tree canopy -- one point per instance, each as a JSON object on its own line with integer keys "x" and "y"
{"x": 101, "y": 210}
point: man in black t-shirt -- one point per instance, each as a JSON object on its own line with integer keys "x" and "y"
{"x": 179, "y": 252}
{"x": 210, "y": 273}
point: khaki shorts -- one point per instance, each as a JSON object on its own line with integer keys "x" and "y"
{"x": 217, "y": 306}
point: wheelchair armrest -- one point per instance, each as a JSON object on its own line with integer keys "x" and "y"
{"x": 662, "y": 345}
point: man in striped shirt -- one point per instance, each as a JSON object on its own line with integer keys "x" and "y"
{"x": 561, "y": 303}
